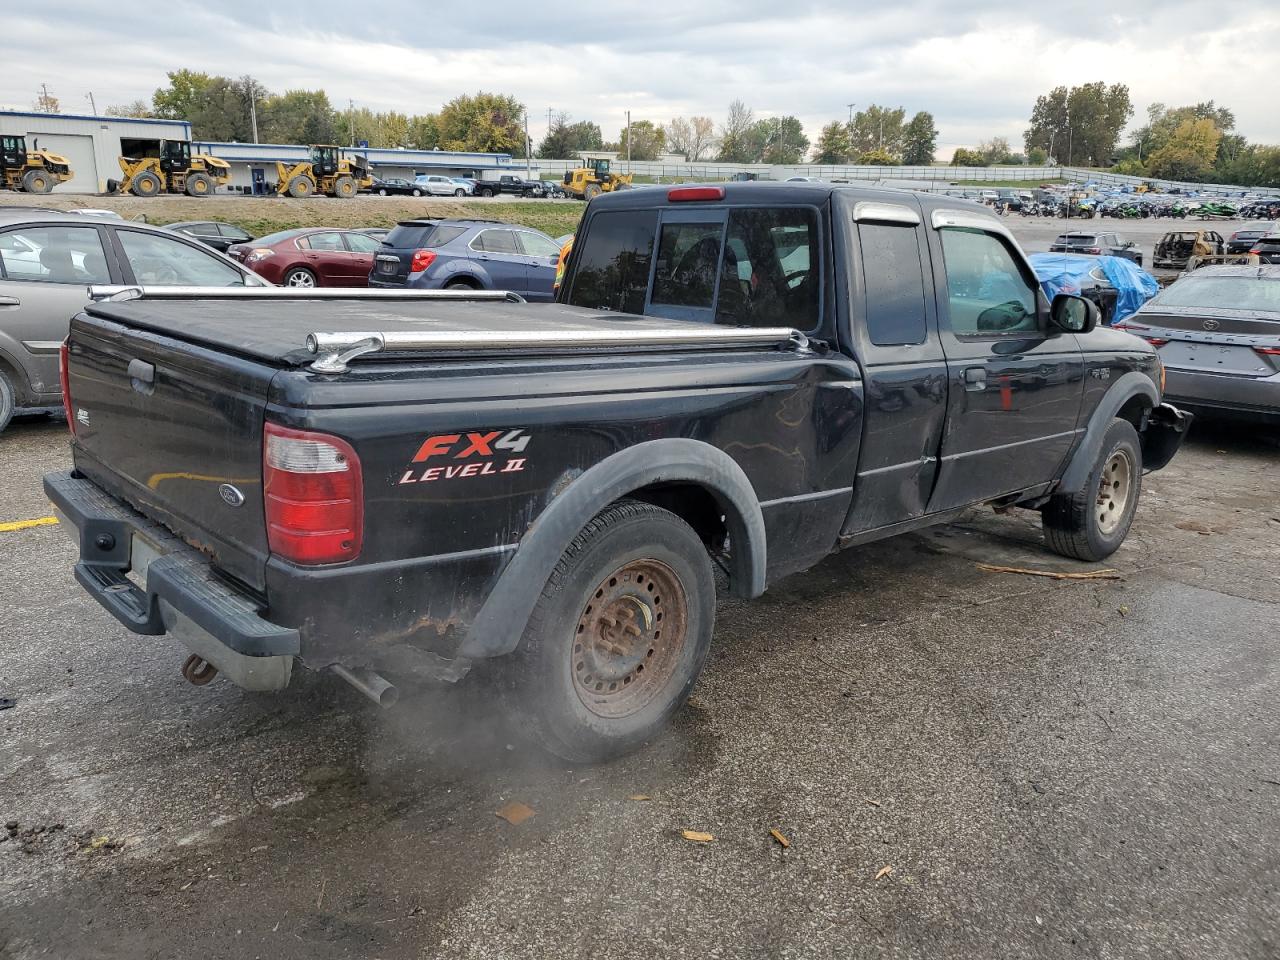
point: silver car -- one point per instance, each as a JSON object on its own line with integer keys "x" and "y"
{"x": 435, "y": 185}
{"x": 1218, "y": 334}
{"x": 48, "y": 260}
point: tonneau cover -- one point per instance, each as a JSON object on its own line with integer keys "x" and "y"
{"x": 276, "y": 330}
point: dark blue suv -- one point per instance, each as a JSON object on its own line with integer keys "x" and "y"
{"x": 475, "y": 254}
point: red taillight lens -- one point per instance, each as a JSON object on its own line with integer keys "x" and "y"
{"x": 64, "y": 375}
{"x": 1268, "y": 351}
{"x": 1255, "y": 251}
{"x": 421, "y": 260}
{"x": 1093, "y": 250}
{"x": 680, "y": 194}
{"x": 1155, "y": 341}
{"x": 313, "y": 496}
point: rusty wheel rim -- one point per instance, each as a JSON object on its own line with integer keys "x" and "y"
{"x": 629, "y": 638}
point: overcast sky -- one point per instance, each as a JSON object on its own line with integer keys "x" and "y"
{"x": 978, "y": 65}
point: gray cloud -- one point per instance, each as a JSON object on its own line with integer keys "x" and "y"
{"x": 977, "y": 66}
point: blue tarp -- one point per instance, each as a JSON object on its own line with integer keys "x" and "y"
{"x": 1069, "y": 273}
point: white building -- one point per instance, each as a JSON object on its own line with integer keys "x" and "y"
{"x": 92, "y": 145}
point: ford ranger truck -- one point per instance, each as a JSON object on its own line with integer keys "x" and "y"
{"x": 748, "y": 376}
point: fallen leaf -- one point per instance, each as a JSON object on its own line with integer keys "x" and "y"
{"x": 1052, "y": 574}
{"x": 1124, "y": 611}
{"x": 874, "y": 803}
{"x": 884, "y": 872}
{"x": 639, "y": 796}
{"x": 516, "y": 813}
{"x": 697, "y": 836}
{"x": 777, "y": 835}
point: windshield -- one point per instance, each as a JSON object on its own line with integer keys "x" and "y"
{"x": 1241, "y": 293}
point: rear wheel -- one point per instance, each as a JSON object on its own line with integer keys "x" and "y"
{"x": 1091, "y": 524}
{"x": 300, "y": 277}
{"x": 486, "y": 192}
{"x": 8, "y": 401}
{"x": 417, "y": 192}
{"x": 301, "y": 187}
{"x": 146, "y": 184}
{"x": 382, "y": 192}
{"x": 618, "y": 636}
{"x": 461, "y": 285}
{"x": 592, "y": 191}
{"x": 38, "y": 181}
{"x": 344, "y": 188}
{"x": 199, "y": 185}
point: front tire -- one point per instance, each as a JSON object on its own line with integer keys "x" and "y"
{"x": 459, "y": 192}
{"x": 38, "y": 181}
{"x": 417, "y": 193}
{"x": 1092, "y": 523}
{"x": 146, "y": 184}
{"x": 617, "y": 638}
{"x": 301, "y": 187}
{"x": 344, "y": 188}
{"x": 300, "y": 277}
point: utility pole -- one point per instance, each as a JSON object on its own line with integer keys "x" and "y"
{"x": 628, "y": 141}
{"x": 253, "y": 112}
{"x": 93, "y": 107}
{"x": 851, "y": 106}
{"x": 528, "y": 148}
{"x": 351, "y": 115}
{"x": 882, "y": 133}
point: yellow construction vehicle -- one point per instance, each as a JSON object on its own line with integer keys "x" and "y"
{"x": 594, "y": 178}
{"x": 173, "y": 170}
{"x": 328, "y": 170}
{"x": 34, "y": 170}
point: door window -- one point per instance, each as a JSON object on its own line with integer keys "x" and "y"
{"x": 770, "y": 274}
{"x": 54, "y": 255}
{"x": 894, "y": 283}
{"x": 233, "y": 233}
{"x": 362, "y": 243}
{"x": 325, "y": 241}
{"x": 161, "y": 261}
{"x": 612, "y": 269}
{"x": 688, "y": 255}
{"x": 989, "y": 295}
{"x": 536, "y": 245}
{"x": 496, "y": 241}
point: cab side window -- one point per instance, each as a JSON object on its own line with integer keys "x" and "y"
{"x": 769, "y": 274}
{"x": 989, "y": 295}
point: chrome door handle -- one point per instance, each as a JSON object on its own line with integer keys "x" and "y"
{"x": 10, "y": 302}
{"x": 975, "y": 379}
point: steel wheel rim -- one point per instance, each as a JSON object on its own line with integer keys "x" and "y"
{"x": 629, "y": 639}
{"x": 300, "y": 279}
{"x": 1114, "y": 489}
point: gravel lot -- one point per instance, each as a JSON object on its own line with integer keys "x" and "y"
{"x": 966, "y": 764}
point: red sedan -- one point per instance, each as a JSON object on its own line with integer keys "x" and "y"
{"x": 310, "y": 257}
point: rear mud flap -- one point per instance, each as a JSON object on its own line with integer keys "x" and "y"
{"x": 1166, "y": 428}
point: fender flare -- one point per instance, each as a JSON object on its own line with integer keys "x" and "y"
{"x": 1130, "y": 385}
{"x": 500, "y": 622}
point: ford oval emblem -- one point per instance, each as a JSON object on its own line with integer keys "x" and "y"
{"x": 231, "y": 495}
{"x": 1211, "y": 324}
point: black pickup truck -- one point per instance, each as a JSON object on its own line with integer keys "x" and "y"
{"x": 749, "y": 375}
{"x": 509, "y": 184}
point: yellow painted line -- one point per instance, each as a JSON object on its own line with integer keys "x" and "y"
{"x": 13, "y": 525}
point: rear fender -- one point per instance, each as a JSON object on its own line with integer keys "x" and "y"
{"x": 500, "y": 623}
{"x": 1130, "y": 385}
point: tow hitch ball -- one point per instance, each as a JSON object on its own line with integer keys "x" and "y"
{"x": 198, "y": 670}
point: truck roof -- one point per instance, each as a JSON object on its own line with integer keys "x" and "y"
{"x": 762, "y": 192}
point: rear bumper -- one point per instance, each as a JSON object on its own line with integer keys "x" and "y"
{"x": 1254, "y": 398}
{"x": 173, "y": 589}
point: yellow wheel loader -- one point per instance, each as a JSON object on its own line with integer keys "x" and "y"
{"x": 328, "y": 170}
{"x": 594, "y": 178}
{"x": 34, "y": 170}
{"x": 173, "y": 170}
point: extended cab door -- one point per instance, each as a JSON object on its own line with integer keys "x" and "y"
{"x": 894, "y": 335}
{"x": 1014, "y": 386}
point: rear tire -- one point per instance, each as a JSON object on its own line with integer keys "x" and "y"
{"x": 344, "y": 188}
{"x": 146, "y": 184}
{"x": 486, "y": 193}
{"x": 8, "y": 400}
{"x": 301, "y": 187}
{"x": 300, "y": 277}
{"x": 38, "y": 181}
{"x": 382, "y": 192}
{"x": 417, "y": 193}
{"x": 1091, "y": 524}
{"x": 461, "y": 285}
{"x": 617, "y": 638}
{"x": 592, "y": 191}
{"x": 199, "y": 185}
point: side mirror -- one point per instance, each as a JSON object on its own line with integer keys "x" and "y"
{"x": 1073, "y": 314}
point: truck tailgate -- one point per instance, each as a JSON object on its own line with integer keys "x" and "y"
{"x": 175, "y": 430}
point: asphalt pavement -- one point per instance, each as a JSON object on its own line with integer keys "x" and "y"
{"x": 964, "y": 764}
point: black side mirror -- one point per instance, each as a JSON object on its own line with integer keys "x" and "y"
{"x": 1073, "y": 314}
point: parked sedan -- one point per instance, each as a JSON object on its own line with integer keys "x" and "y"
{"x": 467, "y": 254}
{"x": 310, "y": 257}
{"x": 397, "y": 187}
{"x": 440, "y": 186}
{"x": 1242, "y": 240}
{"x": 1218, "y": 334}
{"x": 48, "y": 261}
{"x": 211, "y": 233}
{"x": 1097, "y": 244}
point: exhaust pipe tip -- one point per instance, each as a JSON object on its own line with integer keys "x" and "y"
{"x": 373, "y": 685}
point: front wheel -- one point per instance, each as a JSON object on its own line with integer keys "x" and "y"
{"x": 618, "y": 636}
{"x": 417, "y": 193}
{"x": 1091, "y": 524}
{"x": 459, "y": 192}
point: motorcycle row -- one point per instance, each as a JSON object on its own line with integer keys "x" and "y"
{"x": 1145, "y": 206}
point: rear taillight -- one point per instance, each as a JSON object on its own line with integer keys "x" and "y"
{"x": 313, "y": 496}
{"x": 421, "y": 260}
{"x": 64, "y": 375}
{"x": 1255, "y": 251}
{"x": 1268, "y": 351}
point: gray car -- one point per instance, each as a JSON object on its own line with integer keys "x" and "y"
{"x": 1218, "y": 334}
{"x": 435, "y": 185}
{"x": 47, "y": 263}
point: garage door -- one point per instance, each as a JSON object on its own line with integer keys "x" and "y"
{"x": 79, "y": 152}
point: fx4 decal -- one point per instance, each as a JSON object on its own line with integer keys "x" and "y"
{"x": 468, "y": 455}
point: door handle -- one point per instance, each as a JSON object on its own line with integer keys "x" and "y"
{"x": 10, "y": 302}
{"x": 975, "y": 379}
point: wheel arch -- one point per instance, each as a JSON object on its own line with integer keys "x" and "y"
{"x": 1131, "y": 398}
{"x": 686, "y": 476}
